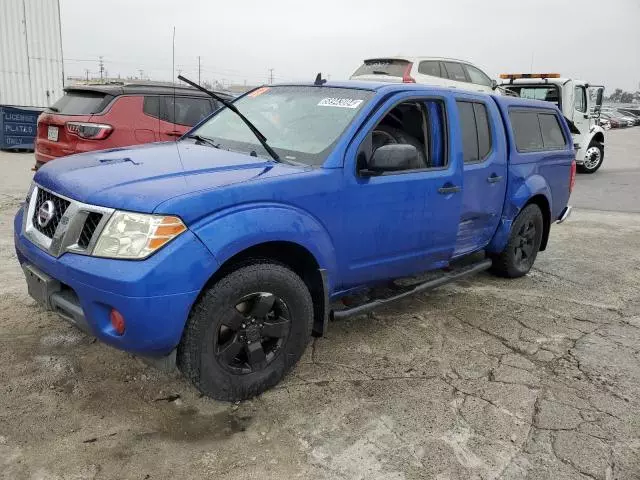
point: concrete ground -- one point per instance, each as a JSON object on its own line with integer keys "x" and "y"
{"x": 535, "y": 378}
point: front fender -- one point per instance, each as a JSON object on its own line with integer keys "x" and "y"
{"x": 231, "y": 231}
{"x": 589, "y": 136}
{"x": 517, "y": 197}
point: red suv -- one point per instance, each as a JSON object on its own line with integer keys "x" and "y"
{"x": 95, "y": 117}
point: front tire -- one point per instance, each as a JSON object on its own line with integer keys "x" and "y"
{"x": 246, "y": 332}
{"x": 522, "y": 248}
{"x": 593, "y": 158}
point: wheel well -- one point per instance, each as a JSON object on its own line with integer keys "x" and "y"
{"x": 542, "y": 202}
{"x": 598, "y": 137}
{"x": 295, "y": 257}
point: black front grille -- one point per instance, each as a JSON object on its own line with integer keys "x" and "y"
{"x": 59, "y": 207}
{"x": 89, "y": 228}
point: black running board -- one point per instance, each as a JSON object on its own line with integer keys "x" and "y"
{"x": 421, "y": 287}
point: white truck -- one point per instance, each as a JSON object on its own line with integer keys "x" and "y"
{"x": 579, "y": 101}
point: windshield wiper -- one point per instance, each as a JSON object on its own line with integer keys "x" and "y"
{"x": 261, "y": 138}
{"x": 201, "y": 139}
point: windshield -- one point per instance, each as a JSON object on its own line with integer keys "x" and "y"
{"x": 549, "y": 93}
{"x": 382, "y": 66}
{"x": 301, "y": 123}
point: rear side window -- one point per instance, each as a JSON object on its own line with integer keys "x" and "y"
{"x": 430, "y": 68}
{"x": 552, "y": 136}
{"x": 535, "y": 131}
{"x": 381, "y": 66}
{"x": 455, "y": 71}
{"x": 526, "y": 129}
{"x": 78, "y": 102}
{"x": 187, "y": 110}
{"x": 476, "y": 133}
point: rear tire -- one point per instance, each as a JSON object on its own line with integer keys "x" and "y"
{"x": 246, "y": 332}
{"x": 593, "y": 158}
{"x": 522, "y": 248}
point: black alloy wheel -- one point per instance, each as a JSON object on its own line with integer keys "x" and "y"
{"x": 252, "y": 333}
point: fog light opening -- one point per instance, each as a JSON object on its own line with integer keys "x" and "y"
{"x": 117, "y": 321}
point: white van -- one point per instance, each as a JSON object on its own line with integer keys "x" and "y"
{"x": 446, "y": 72}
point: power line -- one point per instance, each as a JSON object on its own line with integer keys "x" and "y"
{"x": 101, "y": 64}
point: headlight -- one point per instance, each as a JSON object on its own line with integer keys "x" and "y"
{"x": 136, "y": 235}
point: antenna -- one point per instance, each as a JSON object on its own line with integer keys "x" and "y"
{"x": 198, "y": 69}
{"x": 173, "y": 72}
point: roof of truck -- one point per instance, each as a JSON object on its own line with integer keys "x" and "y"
{"x": 385, "y": 87}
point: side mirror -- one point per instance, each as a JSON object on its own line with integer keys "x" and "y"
{"x": 391, "y": 158}
{"x": 494, "y": 84}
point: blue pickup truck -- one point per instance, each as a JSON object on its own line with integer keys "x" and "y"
{"x": 225, "y": 251}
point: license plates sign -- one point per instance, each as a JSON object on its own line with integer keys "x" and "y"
{"x": 52, "y": 133}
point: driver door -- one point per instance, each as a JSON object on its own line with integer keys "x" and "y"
{"x": 581, "y": 117}
{"x": 400, "y": 223}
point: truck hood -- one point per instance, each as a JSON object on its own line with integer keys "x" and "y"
{"x": 140, "y": 178}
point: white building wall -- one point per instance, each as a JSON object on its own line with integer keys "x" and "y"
{"x": 31, "y": 66}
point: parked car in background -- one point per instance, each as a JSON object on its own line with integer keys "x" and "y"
{"x": 635, "y": 117}
{"x": 95, "y": 117}
{"x": 446, "y": 72}
{"x": 622, "y": 119}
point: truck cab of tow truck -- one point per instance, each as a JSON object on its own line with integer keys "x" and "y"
{"x": 579, "y": 101}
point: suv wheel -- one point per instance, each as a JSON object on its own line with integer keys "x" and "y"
{"x": 246, "y": 332}
{"x": 524, "y": 242}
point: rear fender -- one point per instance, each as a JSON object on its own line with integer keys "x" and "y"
{"x": 514, "y": 203}
{"x": 234, "y": 230}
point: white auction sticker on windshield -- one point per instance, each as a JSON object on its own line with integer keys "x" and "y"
{"x": 339, "y": 102}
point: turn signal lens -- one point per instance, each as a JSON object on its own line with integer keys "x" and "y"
{"x": 117, "y": 321}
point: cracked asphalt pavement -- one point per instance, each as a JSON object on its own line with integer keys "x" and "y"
{"x": 535, "y": 378}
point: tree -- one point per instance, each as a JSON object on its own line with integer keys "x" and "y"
{"x": 626, "y": 97}
{"x": 616, "y": 95}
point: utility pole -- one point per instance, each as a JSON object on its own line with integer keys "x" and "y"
{"x": 270, "y": 75}
{"x": 141, "y": 73}
{"x": 86, "y": 71}
{"x": 101, "y": 65}
{"x": 198, "y": 69}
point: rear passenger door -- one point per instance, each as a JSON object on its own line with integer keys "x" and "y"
{"x": 484, "y": 172}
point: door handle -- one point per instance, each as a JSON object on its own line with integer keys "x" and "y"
{"x": 174, "y": 134}
{"x": 493, "y": 178}
{"x": 446, "y": 190}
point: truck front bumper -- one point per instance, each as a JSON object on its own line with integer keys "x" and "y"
{"x": 154, "y": 295}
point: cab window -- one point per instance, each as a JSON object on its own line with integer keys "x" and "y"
{"x": 580, "y": 99}
{"x": 476, "y": 133}
{"x": 420, "y": 124}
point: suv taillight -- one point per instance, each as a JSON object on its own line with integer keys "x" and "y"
{"x": 572, "y": 176}
{"x": 406, "y": 75}
{"x": 91, "y": 131}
